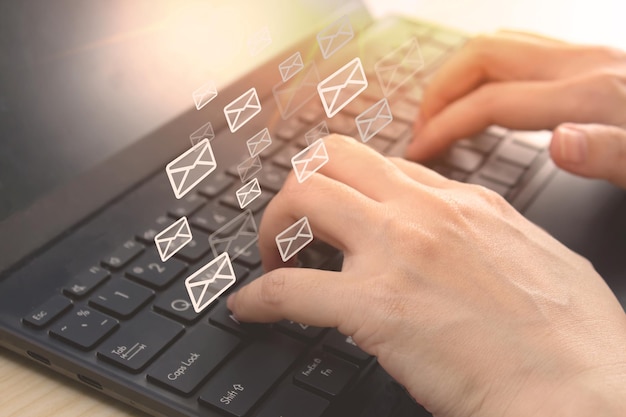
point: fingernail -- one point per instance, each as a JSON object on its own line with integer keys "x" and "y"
{"x": 573, "y": 145}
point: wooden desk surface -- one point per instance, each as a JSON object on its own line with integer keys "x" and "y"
{"x": 28, "y": 389}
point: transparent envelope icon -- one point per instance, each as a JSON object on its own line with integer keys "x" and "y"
{"x": 259, "y": 142}
{"x": 236, "y": 236}
{"x": 209, "y": 282}
{"x": 204, "y": 95}
{"x": 249, "y": 168}
{"x": 399, "y": 66}
{"x": 318, "y": 131}
{"x": 291, "y": 66}
{"x": 204, "y": 132}
{"x": 309, "y": 160}
{"x": 335, "y": 36}
{"x": 259, "y": 40}
{"x": 241, "y": 110}
{"x": 292, "y": 95}
{"x": 248, "y": 193}
{"x": 294, "y": 238}
{"x": 343, "y": 86}
{"x": 173, "y": 238}
{"x": 190, "y": 168}
{"x": 374, "y": 119}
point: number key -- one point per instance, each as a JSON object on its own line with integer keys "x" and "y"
{"x": 121, "y": 256}
{"x": 150, "y": 271}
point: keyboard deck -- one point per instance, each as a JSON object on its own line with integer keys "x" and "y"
{"x": 132, "y": 311}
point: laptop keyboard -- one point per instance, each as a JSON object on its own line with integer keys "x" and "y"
{"x": 240, "y": 369}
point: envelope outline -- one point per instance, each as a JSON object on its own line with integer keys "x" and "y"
{"x": 242, "y": 109}
{"x": 245, "y": 227}
{"x": 167, "y": 240}
{"x": 351, "y": 75}
{"x": 290, "y": 243}
{"x": 249, "y": 168}
{"x": 309, "y": 160}
{"x": 198, "y": 161}
{"x": 248, "y": 193}
{"x": 204, "y": 94}
{"x": 222, "y": 279}
{"x": 259, "y": 142}
{"x": 203, "y": 132}
{"x": 335, "y": 36}
{"x": 291, "y": 96}
{"x": 318, "y": 131}
{"x": 259, "y": 40}
{"x": 291, "y": 66}
{"x": 374, "y": 119}
{"x": 388, "y": 69}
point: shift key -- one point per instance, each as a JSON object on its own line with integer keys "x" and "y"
{"x": 193, "y": 358}
{"x": 241, "y": 383}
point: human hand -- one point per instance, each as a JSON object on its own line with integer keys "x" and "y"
{"x": 474, "y": 309}
{"x": 528, "y": 82}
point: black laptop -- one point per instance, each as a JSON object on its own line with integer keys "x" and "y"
{"x": 99, "y": 102}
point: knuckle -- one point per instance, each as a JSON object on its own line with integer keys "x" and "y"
{"x": 272, "y": 287}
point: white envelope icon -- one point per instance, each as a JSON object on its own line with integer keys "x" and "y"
{"x": 309, "y": 160}
{"x": 293, "y": 239}
{"x": 248, "y": 193}
{"x": 236, "y": 236}
{"x": 259, "y": 40}
{"x": 259, "y": 142}
{"x": 335, "y": 36}
{"x": 204, "y": 132}
{"x": 317, "y": 132}
{"x": 203, "y": 95}
{"x": 343, "y": 86}
{"x": 291, "y": 66}
{"x": 292, "y": 95}
{"x": 399, "y": 66}
{"x": 242, "y": 109}
{"x": 249, "y": 168}
{"x": 210, "y": 281}
{"x": 186, "y": 171}
{"x": 173, "y": 238}
{"x": 373, "y": 120}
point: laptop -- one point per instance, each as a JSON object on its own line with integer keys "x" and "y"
{"x": 101, "y": 105}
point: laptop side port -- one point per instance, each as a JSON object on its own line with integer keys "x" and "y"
{"x": 89, "y": 381}
{"x": 38, "y": 357}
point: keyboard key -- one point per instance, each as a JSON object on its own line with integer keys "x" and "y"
{"x": 516, "y": 153}
{"x": 502, "y": 172}
{"x": 325, "y": 373}
{"x": 196, "y": 355}
{"x": 396, "y": 130}
{"x": 250, "y": 258}
{"x": 84, "y": 328}
{"x": 47, "y": 312}
{"x": 497, "y": 131}
{"x": 289, "y": 129}
{"x": 283, "y": 158}
{"x": 147, "y": 236}
{"x": 149, "y": 270}
{"x": 222, "y": 317}
{"x": 483, "y": 143}
{"x": 272, "y": 178}
{"x": 431, "y": 53}
{"x": 464, "y": 159}
{"x": 83, "y": 283}
{"x": 139, "y": 341}
{"x": 196, "y": 249}
{"x": 448, "y": 39}
{"x": 311, "y": 113}
{"x": 345, "y": 347}
{"x": 302, "y": 331}
{"x": 404, "y": 110}
{"x": 186, "y": 206}
{"x": 175, "y": 303}
{"x": 537, "y": 140}
{"x": 216, "y": 185}
{"x": 478, "y": 179}
{"x": 247, "y": 377}
{"x": 342, "y": 124}
{"x": 123, "y": 255}
{"x": 212, "y": 217}
{"x": 291, "y": 401}
{"x": 121, "y": 298}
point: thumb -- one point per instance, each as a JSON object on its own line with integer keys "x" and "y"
{"x": 595, "y": 151}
